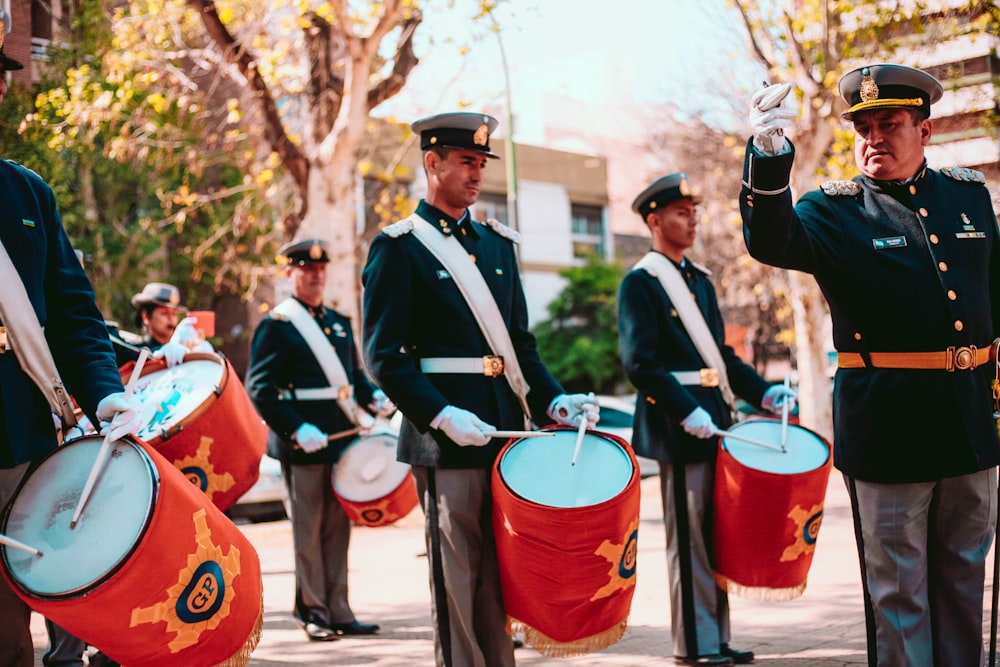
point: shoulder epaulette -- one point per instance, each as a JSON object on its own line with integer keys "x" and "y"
{"x": 503, "y": 230}
{"x": 277, "y": 316}
{"x": 837, "y": 188}
{"x": 964, "y": 174}
{"x": 701, "y": 268}
{"x": 397, "y": 229}
{"x": 28, "y": 169}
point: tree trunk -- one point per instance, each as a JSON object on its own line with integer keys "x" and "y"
{"x": 810, "y": 315}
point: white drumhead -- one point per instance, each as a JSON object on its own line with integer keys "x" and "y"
{"x": 541, "y": 470}
{"x": 113, "y": 520}
{"x": 170, "y": 395}
{"x": 804, "y": 450}
{"x": 368, "y": 469}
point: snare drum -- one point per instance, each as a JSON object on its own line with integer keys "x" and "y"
{"x": 199, "y": 416}
{"x": 152, "y": 574}
{"x": 566, "y": 539}
{"x": 768, "y": 506}
{"x": 372, "y": 486}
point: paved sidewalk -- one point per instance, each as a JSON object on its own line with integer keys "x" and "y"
{"x": 823, "y": 628}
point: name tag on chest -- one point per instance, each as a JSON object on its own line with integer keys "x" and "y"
{"x": 889, "y": 243}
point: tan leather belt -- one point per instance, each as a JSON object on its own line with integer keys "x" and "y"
{"x": 705, "y": 377}
{"x": 954, "y": 358}
{"x": 491, "y": 366}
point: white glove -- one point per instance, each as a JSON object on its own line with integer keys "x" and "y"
{"x": 381, "y": 404}
{"x": 699, "y": 424}
{"x": 172, "y": 352}
{"x": 310, "y": 438}
{"x": 463, "y": 427}
{"x": 769, "y": 119}
{"x": 185, "y": 333}
{"x": 775, "y": 396}
{"x": 119, "y": 417}
{"x": 569, "y": 409}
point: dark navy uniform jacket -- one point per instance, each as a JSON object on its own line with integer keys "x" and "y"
{"x": 63, "y": 299}
{"x": 281, "y": 359}
{"x": 911, "y": 267}
{"x": 653, "y": 343}
{"x": 414, "y": 310}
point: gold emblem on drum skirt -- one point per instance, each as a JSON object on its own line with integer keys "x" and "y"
{"x": 201, "y": 472}
{"x": 203, "y": 594}
{"x": 806, "y": 531}
{"x": 622, "y": 556}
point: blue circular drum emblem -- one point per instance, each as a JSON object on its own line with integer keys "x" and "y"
{"x": 626, "y": 566}
{"x": 203, "y": 595}
{"x": 197, "y": 477}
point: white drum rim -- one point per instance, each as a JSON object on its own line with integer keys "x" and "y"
{"x": 531, "y": 441}
{"x": 404, "y": 469}
{"x": 90, "y": 586}
{"x": 164, "y": 434}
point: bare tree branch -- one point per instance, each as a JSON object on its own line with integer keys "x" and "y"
{"x": 403, "y": 63}
{"x": 274, "y": 132}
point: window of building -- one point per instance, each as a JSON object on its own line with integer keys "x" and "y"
{"x": 41, "y": 20}
{"x": 490, "y": 205}
{"x": 587, "y": 228}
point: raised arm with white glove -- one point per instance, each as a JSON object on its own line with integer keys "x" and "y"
{"x": 775, "y": 396}
{"x": 769, "y": 119}
{"x": 569, "y": 409}
{"x": 310, "y": 438}
{"x": 119, "y": 417}
{"x": 462, "y": 427}
{"x": 699, "y": 424}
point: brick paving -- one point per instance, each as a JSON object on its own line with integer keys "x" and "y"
{"x": 389, "y": 585}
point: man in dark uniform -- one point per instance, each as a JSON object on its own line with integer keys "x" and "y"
{"x": 679, "y": 408}
{"x": 157, "y": 312}
{"x": 424, "y": 347}
{"x": 287, "y": 383}
{"x": 62, "y": 299}
{"x": 909, "y": 261}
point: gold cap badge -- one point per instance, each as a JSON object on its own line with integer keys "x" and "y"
{"x": 684, "y": 188}
{"x": 482, "y": 136}
{"x": 869, "y": 89}
{"x": 315, "y": 251}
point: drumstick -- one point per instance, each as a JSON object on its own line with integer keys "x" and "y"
{"x": 759, "y": 443}
{"x": 520, "y": 434}
{"x": 102, "y": 454}
{"x": 11, "y": 542}
{"x": 580, "y": 432}
{"x": 784, "y": 416}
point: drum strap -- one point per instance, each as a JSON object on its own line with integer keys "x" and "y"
{"x": 477, "y": 295}
{"x": 325, "y": 354}
{"x": 28, "y": 341}
{"x": 677, "y": 290}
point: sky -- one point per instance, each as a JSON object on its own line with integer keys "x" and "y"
{"x": 629, "y": 53}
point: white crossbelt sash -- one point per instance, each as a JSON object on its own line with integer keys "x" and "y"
{"x": 28, "y": 341}
{"x": 328, "y": 360}
{"x": 676, "y": 288}
{"x": 477, "y": 295}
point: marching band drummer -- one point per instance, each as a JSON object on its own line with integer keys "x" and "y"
{"x": 44, "y": 287}
{"x": 425, "y": 348}
{"x": 303, "y": 375}
{"x": 157, "y": 313}
{"x": 672, "y": 341}
{"x": 908, "y": 258}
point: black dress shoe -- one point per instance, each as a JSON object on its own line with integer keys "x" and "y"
{"x": 354, "y": 628}
{"x": 318, "y": 633}
{"x": 739, "y": 657}
{"x": 715, "y": 659}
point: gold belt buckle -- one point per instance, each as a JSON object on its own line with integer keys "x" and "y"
{"x": 961, "y": 358}
{"x": 493, "y": 366}
{"x": 3, "y": 339}
{"x": 344, "y": 393}
{"x": 709, "y": 377}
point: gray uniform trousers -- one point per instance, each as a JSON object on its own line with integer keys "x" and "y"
{"x": 16, "y": 649}
{"x": 321, "y": 534}
{"x": 468, "y": 612}
{"x": 699, "y": 610}
{"x": 924, "y": 567}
